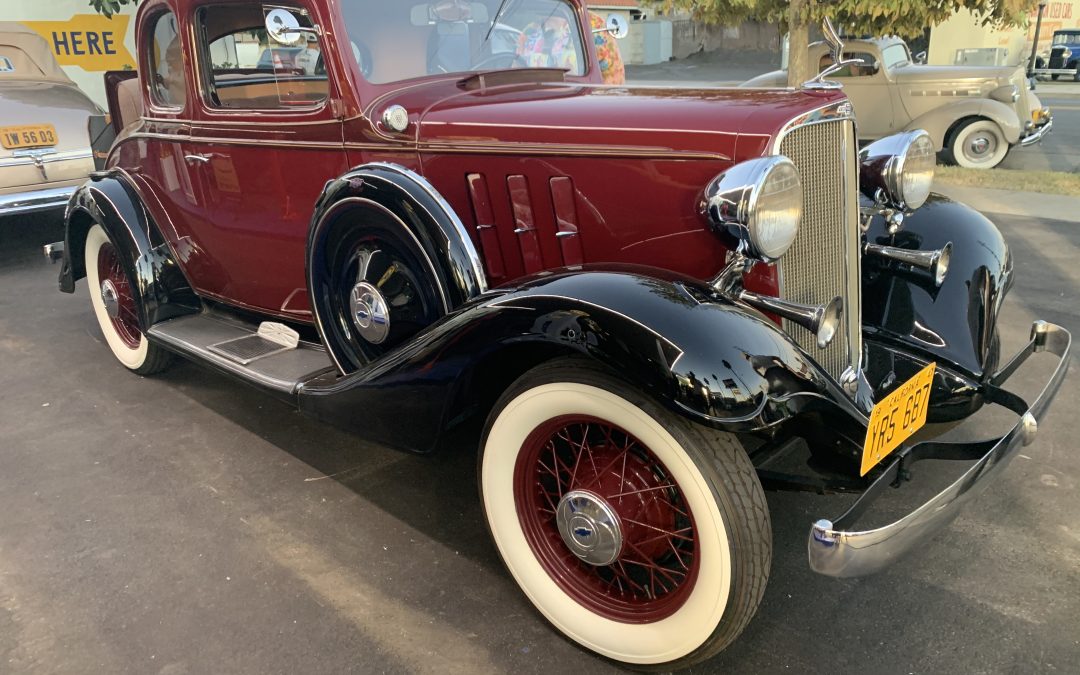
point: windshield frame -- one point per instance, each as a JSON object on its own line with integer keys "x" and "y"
{"x": 886, "y": 65}
{"x": 576, "y": 13}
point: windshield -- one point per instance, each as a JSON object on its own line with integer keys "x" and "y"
{"x": 1067, "y": 39}
{"x": 895, "y": 55}
{"x": 395, "y": 41}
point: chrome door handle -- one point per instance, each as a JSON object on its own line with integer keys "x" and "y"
{"x": 205, "y": 159}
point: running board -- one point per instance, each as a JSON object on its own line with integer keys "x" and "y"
{"x": 198, "y": 336}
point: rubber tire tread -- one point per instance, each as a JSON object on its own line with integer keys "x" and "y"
{"x": 725, "y": 466}
{"x": 157, "y": 360}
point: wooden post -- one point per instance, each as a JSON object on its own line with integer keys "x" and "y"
{"x": 798, "y": 44}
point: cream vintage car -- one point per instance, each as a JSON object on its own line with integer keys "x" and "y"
{"x": 974, "y": 114}
{"x": 44, "y": 144}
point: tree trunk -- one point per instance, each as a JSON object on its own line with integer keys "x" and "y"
{"x": 798, "y": 44}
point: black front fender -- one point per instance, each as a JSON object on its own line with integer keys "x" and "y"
{"x": 957, "y": 323}
{"x": 111, "y": 202}
{"x": 705, "y": 357}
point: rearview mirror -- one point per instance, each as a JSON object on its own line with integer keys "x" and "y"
{"x": 448, "y": 11}
{"x": 920, "y": 57}
{"x": 616, "y": 27}
{"x": 282, "y": 27}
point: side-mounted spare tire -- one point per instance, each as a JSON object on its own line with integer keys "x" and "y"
{"x": 386, "y": 257}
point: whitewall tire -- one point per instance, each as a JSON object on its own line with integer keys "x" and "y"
{"x": 689, "y": 509}
{"x": 115, "y": 302}
{"x": 978, "y": 144}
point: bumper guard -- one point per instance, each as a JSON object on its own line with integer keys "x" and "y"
{"x": 837, "y": 551}
{"x": 1037, "y": 134}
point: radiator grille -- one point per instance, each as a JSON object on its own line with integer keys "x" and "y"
{"x": 824, "y": 261}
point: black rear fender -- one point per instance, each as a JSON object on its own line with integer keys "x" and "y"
{"x": 111, "y": 202}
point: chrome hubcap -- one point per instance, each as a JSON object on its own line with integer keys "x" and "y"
{"x": 589, "y": 527}
{"x": 980, "y": 146}
{"x": 111, "y": 299}
{"x": 370, "y": 313}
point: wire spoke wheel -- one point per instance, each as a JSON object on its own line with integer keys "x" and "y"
{"x": 655, "y": 552}
{"x": 118, "y": 297}
{"x": 638, "y": 534}
{"x": 116, "y": 303}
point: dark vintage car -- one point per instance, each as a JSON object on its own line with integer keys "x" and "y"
{"x": 1063, "y": 58}
{"x": 647, "y": 303}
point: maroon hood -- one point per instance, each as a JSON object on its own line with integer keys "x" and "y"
{"x": 729, "y": 124}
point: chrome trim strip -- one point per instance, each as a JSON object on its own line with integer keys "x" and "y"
{"x": 35, "y": 200}
{"x": 834, "y": 550}
{"x": 830, "y": 112}
{"x": 46, "y": 158}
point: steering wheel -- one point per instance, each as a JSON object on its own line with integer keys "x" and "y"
{"x": 506, "y": 59}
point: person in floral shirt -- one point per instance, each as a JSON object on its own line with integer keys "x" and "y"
{"x": 607, "y": 51}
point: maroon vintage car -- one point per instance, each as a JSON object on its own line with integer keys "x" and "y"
{"x": 646, "y": 303}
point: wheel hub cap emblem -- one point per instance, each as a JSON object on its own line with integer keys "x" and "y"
{"x": 111, "y": 299}
{"x": 589, "y": 527}
{"x": 980, "y": 145}
{"x": 370, "y": 313}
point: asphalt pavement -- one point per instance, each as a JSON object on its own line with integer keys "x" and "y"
{"x": 186, "y": 523}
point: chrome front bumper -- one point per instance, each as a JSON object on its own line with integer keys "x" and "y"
{"x": 1037, "y": 134}
{"x": 35, "y": 200}
{"x": 837, "y": 551}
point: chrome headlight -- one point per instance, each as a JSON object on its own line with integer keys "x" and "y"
{"x": 758, "y": 202}
{"x": 898, "y": 169}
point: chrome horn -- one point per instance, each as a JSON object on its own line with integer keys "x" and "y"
{"x": 934, "y": 262}
{"x": 821, "y": 320}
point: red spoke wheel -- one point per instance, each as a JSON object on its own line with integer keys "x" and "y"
{"x": 605, "y": 518}
{"x": 641, "y": 536}
{"x": 117, "y": 297}
{"x": 116, "y": 305}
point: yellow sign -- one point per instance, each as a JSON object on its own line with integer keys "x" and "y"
{"x": 90, "y": 41}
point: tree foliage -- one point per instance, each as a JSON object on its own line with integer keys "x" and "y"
{"x": 907, "y": 18}
{"x": 110, "y": 7}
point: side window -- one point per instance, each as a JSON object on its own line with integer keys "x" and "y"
{"x": 865, "y": 67}
{"x": 248, "y": 70}
{"x": 168, "y": 85}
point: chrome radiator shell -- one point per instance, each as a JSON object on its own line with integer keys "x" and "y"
{"x": 824, "y": 260}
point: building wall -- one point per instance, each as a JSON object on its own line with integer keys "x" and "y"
{"x": 86, "y": 44}
{"x": 963, "y": 31}
{"x": 690, "y": 37}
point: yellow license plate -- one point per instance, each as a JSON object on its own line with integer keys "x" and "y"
{"x": 30, "y": 136}
{"x": 896, "y": 417}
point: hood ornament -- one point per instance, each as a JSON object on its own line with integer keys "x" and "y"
{"x": 836, "y": 50}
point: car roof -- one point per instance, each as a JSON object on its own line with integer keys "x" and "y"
{"x": 18, "y": 37}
